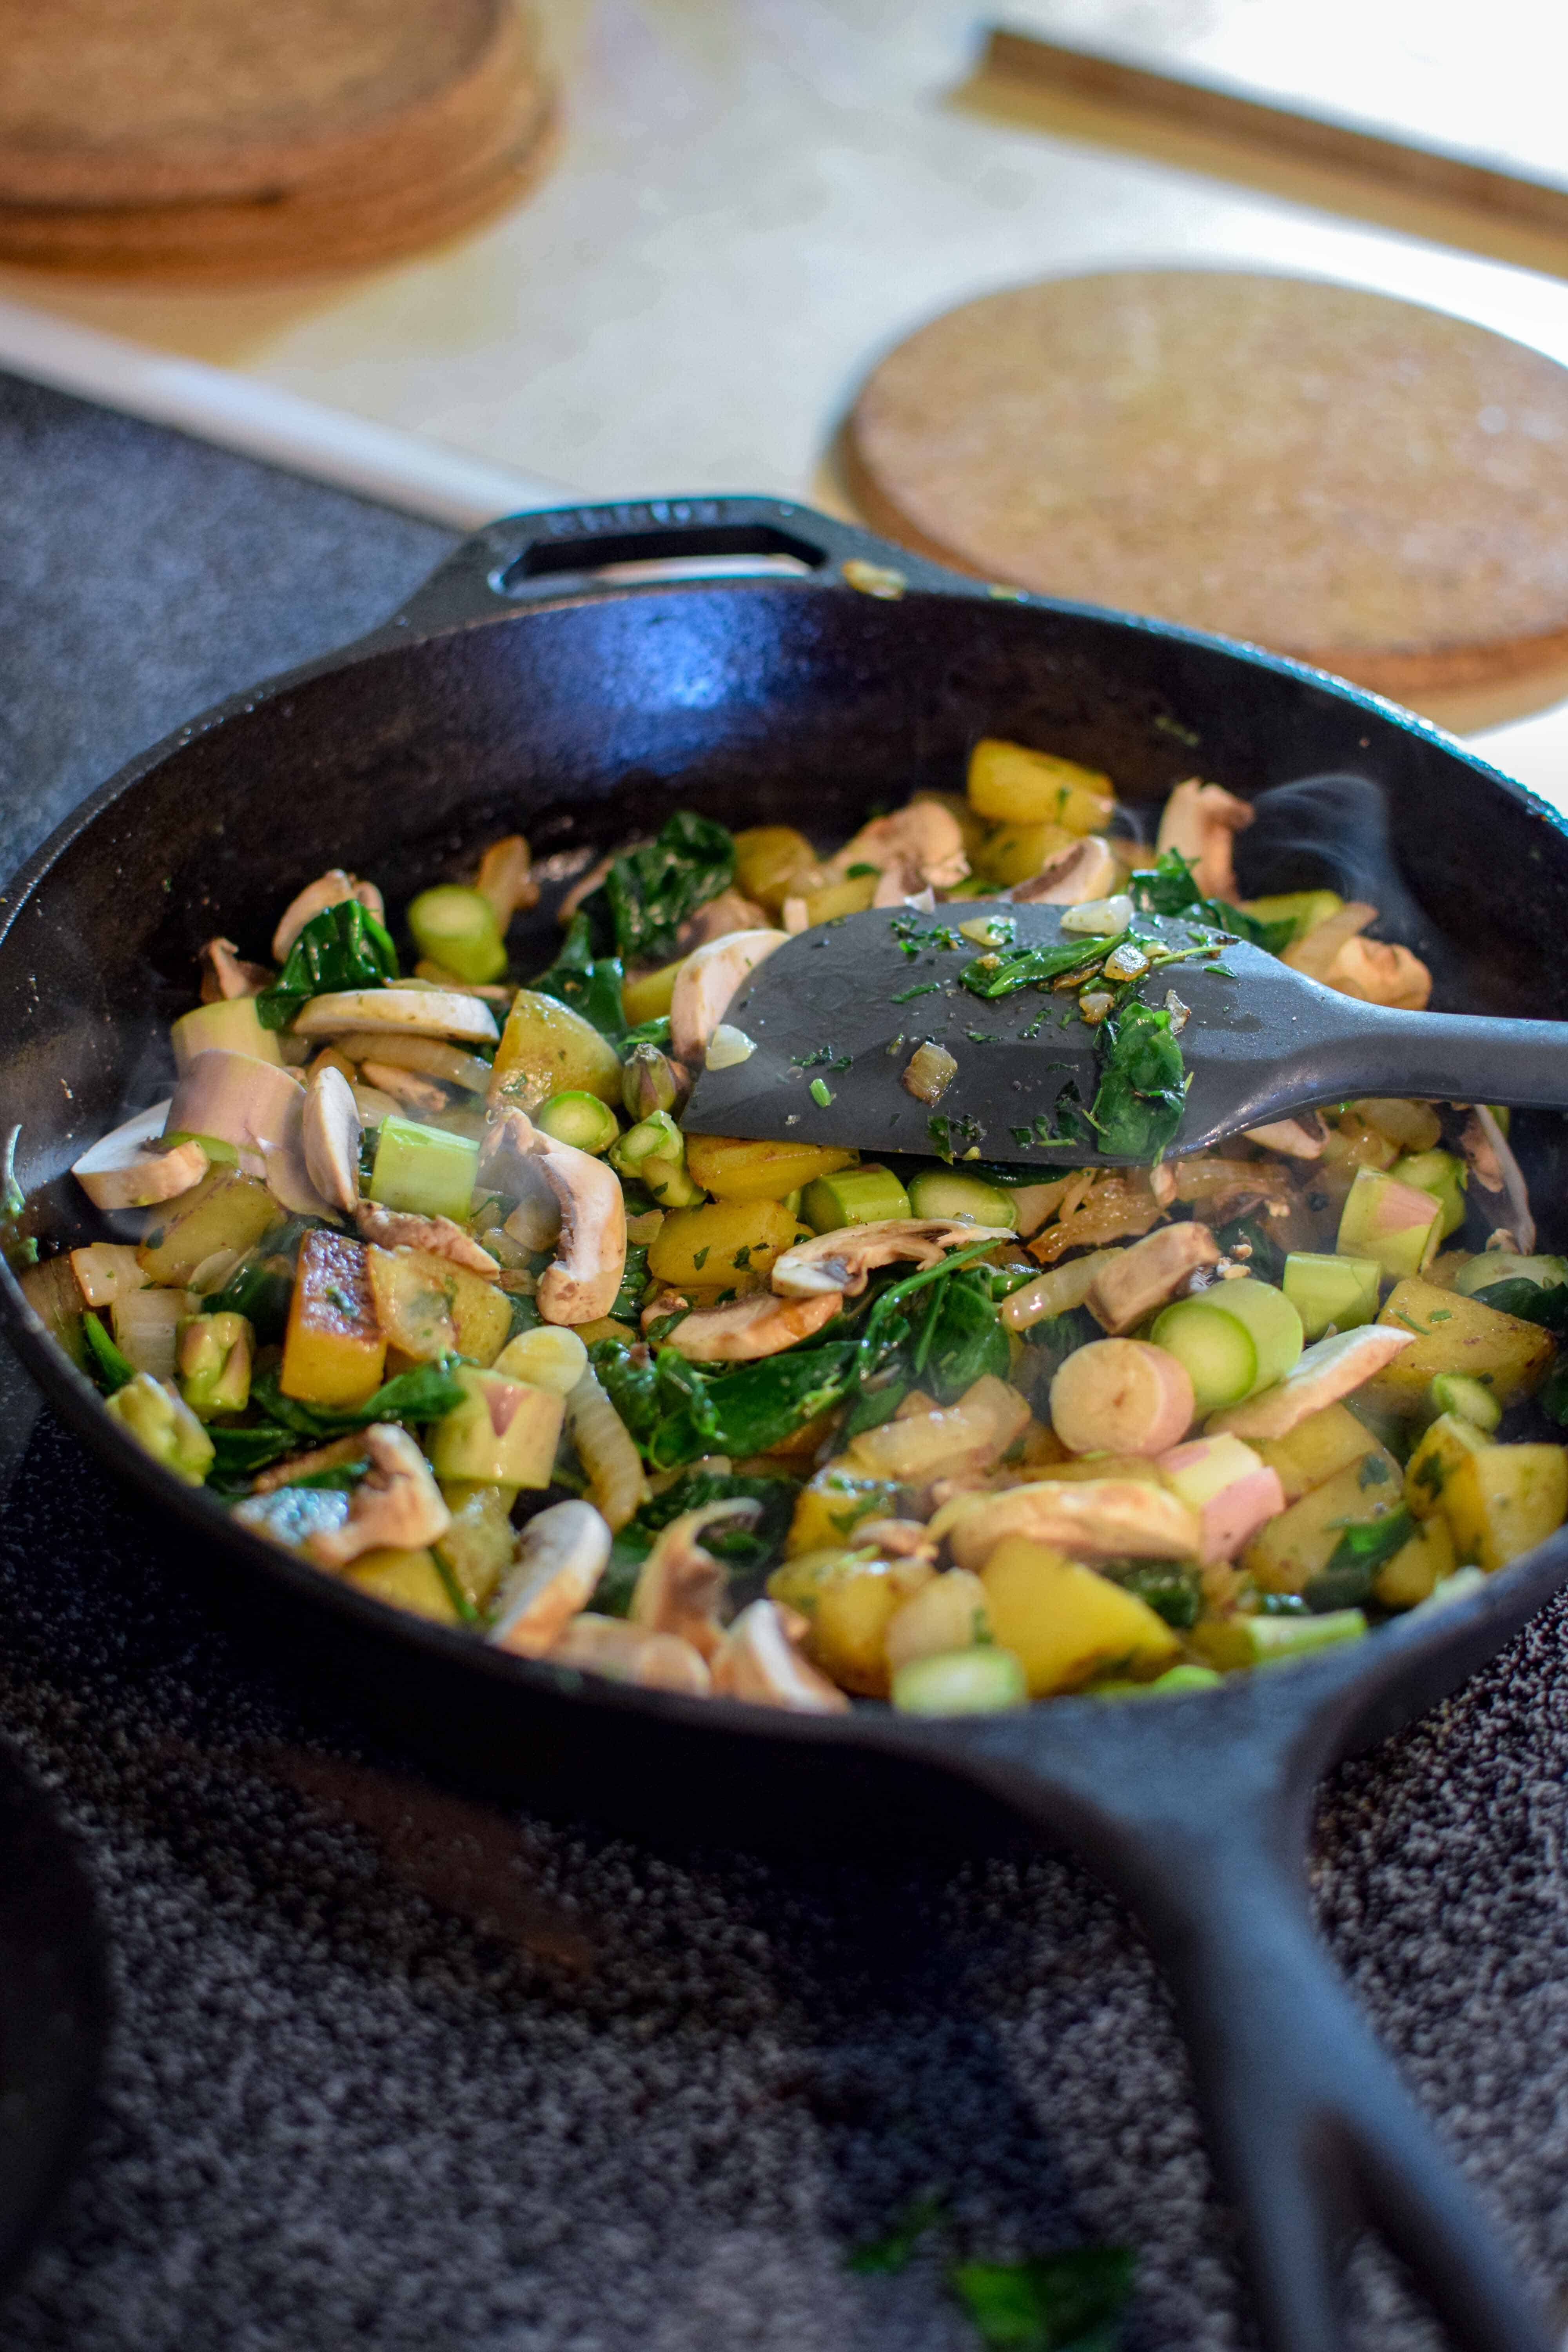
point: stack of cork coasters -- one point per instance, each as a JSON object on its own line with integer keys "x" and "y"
{"x": 1360, "y": 482}
{"x": 230, "y": 138}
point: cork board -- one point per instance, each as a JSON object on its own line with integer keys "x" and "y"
{"x": 1364, "y": 483}
{"x": 225, "y": 138}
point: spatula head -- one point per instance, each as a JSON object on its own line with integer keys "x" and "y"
{"x": 836, "y": 1014}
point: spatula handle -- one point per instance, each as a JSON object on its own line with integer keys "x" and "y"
{"x": 1450, "y": 1058}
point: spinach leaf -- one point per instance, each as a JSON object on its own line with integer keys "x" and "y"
{"x": 238, "y": 1454}
{"x": 648, "y": 1032}
{"x": 745, "y": 1547}
{"x": 962, "y": 1337}
{"x": 1346, "y": 1582}
{"x": 110, "y": 1368}
{"x": 343, "y": 947}
{"x": 1172, "y": 1592}
{"x": 1054, "y": 2302}
{"x": 627, "y": 1303}
{"x": 262, "y": 1284}
{"x": 1142, "y": 1088}
{"x": 1553, "y": 1394}
{"x": 648, "y": 893}
{"x": 754, "y": 1407}
{"x": 999, "y": 975}
{"x": 423, "y": 1393}
{"x": 1529, "y": 1301}
{"x": 1167, "y": 888}
{"x": 1267, "y": 1260}
{"x": 591, "y": 985}
{"x": 1056, "y": 1339}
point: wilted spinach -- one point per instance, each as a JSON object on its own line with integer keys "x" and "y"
{"x": 590, "y": 984}
{"x": 343, "y": 947}
{"x": 649, "y": 892}
{"x": 1142, "y": 1089}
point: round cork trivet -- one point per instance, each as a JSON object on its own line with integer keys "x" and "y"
{"x": 228, "y": 137}
{"x": 1362, "y": 482}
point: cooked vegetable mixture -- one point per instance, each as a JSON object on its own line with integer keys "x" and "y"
{"x": 421, "y": 1277}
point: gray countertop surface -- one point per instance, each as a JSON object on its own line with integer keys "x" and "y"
{"x": 397, "y": 2068}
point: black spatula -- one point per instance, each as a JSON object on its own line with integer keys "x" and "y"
{"x": 836, "y": 1016}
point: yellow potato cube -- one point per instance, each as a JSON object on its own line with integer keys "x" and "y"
{"x": 1456, "y": 1334}
{"x": 1503, "y": 1500}
{"x": 547, "y": 1049}
{"x": 1418, "y": 1567}
{"x": 733, "y": 1169}
{"x": 649, "y": 994}
{"x": 850, "y": 897}
{"x": 1450, "y": 1440}
{"x": 1066, "y": 1624}
{"x": 835, "y": 1502}
{"x": 1288, "y": 1551}
{"x": 1317, "y": 1447}
{"x": 404, "y": 1580}
{"x": 730, "y": 1243}
{"x": 1013, "y": 786}
{"x": 1012, "y": 852}
{"x": 334, "y": 1349}
{"x": 770, "y": 859}
{"x": 233, "y": 1023}
{"x": 225, "y": 1211}
{"x": 848, "y": 1600}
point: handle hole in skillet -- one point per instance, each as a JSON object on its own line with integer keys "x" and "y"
{"x": 741, "y": 549}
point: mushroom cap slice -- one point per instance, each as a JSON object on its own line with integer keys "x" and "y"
{"x": 417, "y": 1011}
{"x": 845, "y": 1258}
{"x": 1085, "y": 870}
{"x": 625, "y": 1654}
{"x": 121, "y": 1172}
{"x": 680, "y": 1587}
{"x": 331, "y": 1130}
{"x": 561, "y": 1558}
{"x": 398, "y": 1503}
{"x": 759, "y": 1659}
{"x": 705, "y": 984}
{"x": 259, "y": 1108}
{"x": 436, "y": 1236}
{"x": 749, "y": 1329}
{"x": 579, "y": 1283}
{"x": 329, "y": 889}
{"x": 1101, "y": 1518}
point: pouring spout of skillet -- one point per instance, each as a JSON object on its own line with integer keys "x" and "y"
{"x": 836, "y": 1017}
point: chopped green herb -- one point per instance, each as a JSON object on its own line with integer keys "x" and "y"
{"x": 857, "y": 873}
{"x": 925, "y": 987}
{"x": 699, "y": 1257}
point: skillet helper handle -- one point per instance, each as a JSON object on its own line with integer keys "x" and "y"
{"x": 560, "y": 550}
{"x": 1315, "y": 2134}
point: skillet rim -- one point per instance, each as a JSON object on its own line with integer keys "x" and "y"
{"x": 1351, "y": 1681}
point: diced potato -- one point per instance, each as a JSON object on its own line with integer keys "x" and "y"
{"x": 848, "y": 1600}
{"x": 734, "y": 1169}
{"x": 225, "y": 1211}
{"x": 547, "y": 1049}
{"x": 1418, "y": 1567}
{"x": 850, "y": 897}
{"x": 333, "y": 1351}
{"x": 413, "y": 1302}
{"x": 952, "y": 1612}
{"x": 1013, "y": 786}
{"x": 1012, "y": 852}
{"x": 1452, "y": 1439}
{"x": 504, "y": 1433}
{"x": 649, "y": 994}
{"x": 481, "y": 1542}
{"x": 404, "y": 1580}
{"x": 1454, "y": 1334}
{"x": 1503, "y": 1500}
{"x": 729, "y": 1242}
{"x": 1413, "y": 1125}
{"x": 1287, "y": 1553}
{"x": 1316, "y": 1448}
{"x": 1067, "y": 1624}
{"x": 769, "y": 859}
{"x": 971, "y": 1434}
{"x": 835, "y": 1502}
{"x": 232, "y": 1024}
{"x": 1082, "y": 1469}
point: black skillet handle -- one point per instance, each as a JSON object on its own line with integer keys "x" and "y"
{"x": 1202, "y": 1826}
{"x": 533, "y": 554}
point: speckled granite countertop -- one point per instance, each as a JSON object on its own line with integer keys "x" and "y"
{"x": 395, "y": 2068}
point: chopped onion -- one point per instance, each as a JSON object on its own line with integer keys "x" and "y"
{"x": 727, "y": 1047}
{"x": 1100, "y": 918}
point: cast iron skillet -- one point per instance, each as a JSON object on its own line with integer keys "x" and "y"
{"x": 519, "y": 689}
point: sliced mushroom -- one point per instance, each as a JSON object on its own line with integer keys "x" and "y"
{"x": 1315, "y": 952}
{"x": 331, "y": 1131}
{"x": 1134, "y": 1282}
{"x": 1298, "y": 1138}
{"x": 730, "y": 911}
{"x": 123, "y": 1171}
{"x": 259, "y": 1108}
{"x": 747, "y": 1328}
{"x": 561, "y": 1556}
{"x": 924, "y": 842}
{"x": 397, "y": 1502}
{"x": 301, "y": 1466}
{"x": 1073, "y": 876}
{"x": 1496, "y": 1170}
{"x": 506, "y": 878}
{"x": 1201, "y": 821}
{"x": 844, "y": 1258}
{"x": 680, "y": 1587}
{"x": 1321, "y": 1374}
{"x": 224, "y": 976}
{"x": 760, "y": 1659}
{"x": 406, "y": 1087}
{"x": 330, "y": 889}
{"x": 898, "y": 1539}
{"x": 705, "y": 984}
{"x": 436, "y": 1236}
{"x": 1098, "y": 1518}
{"x": 417, "y": 1011}
{"x": 432, "y": 1058}
{"x": 581, "y": 1283}
{"x": 624, "y": 1653}
{"x": 1379, "y": 973}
